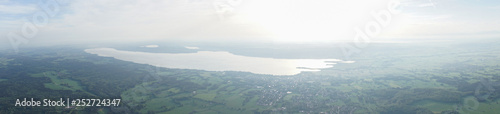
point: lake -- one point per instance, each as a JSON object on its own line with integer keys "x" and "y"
{"x": 219, "y": 61}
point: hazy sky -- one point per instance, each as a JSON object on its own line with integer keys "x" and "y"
{"x": 243, "y": 20}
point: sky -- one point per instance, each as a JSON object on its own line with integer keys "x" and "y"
{"x": 79, "y": 21}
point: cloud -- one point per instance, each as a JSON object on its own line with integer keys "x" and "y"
{"x": 427, "y": 5}
{"x": 146, "y": 19}
{"x": 188, "y": 47}
{"x": 16, "y": 9}
{"x": 264, "y": 20}
{"x": 431, "y": 17}
{"x": 494, "y": 7}
{"x": 151, "y": 46}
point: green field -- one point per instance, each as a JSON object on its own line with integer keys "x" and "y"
{"x": 59, "y": 83}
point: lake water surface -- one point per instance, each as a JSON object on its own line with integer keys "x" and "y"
{"x": 219, "y": 61}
